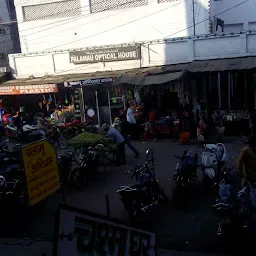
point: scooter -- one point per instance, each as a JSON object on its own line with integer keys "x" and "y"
{"x": 213, "y": 162}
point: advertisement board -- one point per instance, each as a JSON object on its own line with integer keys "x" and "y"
{"x": 88, "y": 82}
{"x": 28, "y": 89}
{"x": 78, "y": 232}
{"x": 41, "y": 170}
{"x": 121, "y": 53}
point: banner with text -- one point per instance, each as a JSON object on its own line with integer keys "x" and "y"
{"x": 28, "y": 89}
{"x": 41, "y": 169}
{"x": 79, "y": 232}
{"x": 106, "y": 55}
{"x": 93, "y": 81}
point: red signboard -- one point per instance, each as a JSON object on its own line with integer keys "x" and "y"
{"x": 28, "y": 89}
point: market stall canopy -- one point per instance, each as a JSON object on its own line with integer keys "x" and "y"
{"x": 153, "y": 76}
{"x": 216, "y": 65}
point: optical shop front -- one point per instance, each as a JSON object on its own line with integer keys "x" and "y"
{"x": 100, "y": 100}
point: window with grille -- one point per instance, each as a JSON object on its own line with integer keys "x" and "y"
{"x": 166, "y": 1}
{"x": 2, "y": 31}
{"x": 110, "y": 5}
{"x": 61, "y": 9}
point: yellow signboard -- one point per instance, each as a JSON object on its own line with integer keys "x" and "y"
{"x": 41, "y": 168}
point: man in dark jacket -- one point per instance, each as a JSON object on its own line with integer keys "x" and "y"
{"x": 125, "y": 131}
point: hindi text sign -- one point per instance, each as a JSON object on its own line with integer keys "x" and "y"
{"x": 83, "y": 233}
{"x": 41, "y": 169}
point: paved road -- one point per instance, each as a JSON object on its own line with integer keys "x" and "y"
{"x": 194, "y": 230}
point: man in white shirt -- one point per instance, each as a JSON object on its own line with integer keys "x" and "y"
{"x": 130, "y": 114}
{"x": 116, "y": 136}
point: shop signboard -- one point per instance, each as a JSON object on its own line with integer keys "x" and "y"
{"x": 28, "y": 89}
{"x": 106, "y": 54}
{"x": 79, "y": 232}
{"x": 41, "y": 170}
{"x": 88, "y": 82}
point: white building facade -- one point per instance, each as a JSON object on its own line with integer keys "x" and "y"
{"x": 133, "y": 56}
{"x": 46, "y": 25}
{"x": 6, "y": 42}
{"x": 149, "y": 32}
{"x": 238, "y": 15}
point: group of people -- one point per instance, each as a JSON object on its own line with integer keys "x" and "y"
{"x": 39, "y": 120}
{"x": 122, "y": 138}
{"x": 196, "y": 121}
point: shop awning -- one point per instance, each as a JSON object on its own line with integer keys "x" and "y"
{"x": 162, "y": 78}
{"x": 222, "y": 64}
{"x": 153, "y": 76}
{"x": 216, "y": 65}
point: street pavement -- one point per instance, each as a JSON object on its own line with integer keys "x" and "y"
{"x": 190, "y": 231}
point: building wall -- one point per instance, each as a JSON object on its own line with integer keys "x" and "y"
{"x": 237, "y": 19}
{"x": 14, "y": 26}
{"x": 155, "y": 53}
{"x": 46, "y": 25}
{"x": 6, "y": 43}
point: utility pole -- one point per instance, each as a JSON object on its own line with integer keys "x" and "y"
{"x": 194, "y": 20}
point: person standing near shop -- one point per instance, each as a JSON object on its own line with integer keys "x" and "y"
{"x": 130, "y": 117}
{"x": 18, "y": 123}
{"x": 116, "y": 136}
{"x": 43, "y": 127}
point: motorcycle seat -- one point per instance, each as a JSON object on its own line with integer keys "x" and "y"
{"x": 137, "y": 186}
{"x": 220, "y": 152}
{"x": 222, "y": 209}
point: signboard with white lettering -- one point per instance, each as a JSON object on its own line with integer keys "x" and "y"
{"x": 93, "y": 81}
{"x": 79, "y": 232}
{"x": 28, "y": 89}
{"x": 106, "y": 55}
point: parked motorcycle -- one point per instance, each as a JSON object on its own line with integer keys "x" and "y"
{"x": 58, "y": 137}
{"x": 231, "y": 214}
{"x": 184, "y": 175}
{"x": 12, "y": 188}
{"x": 65, "y": 166}
{"x": 139, "y": 198}
{"x": 213, "y": 162}
{"x": 91, "y": 159}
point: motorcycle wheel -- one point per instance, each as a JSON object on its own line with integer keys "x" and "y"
{"x": 180, "y": 197}
{"x": 133, "y": 211}
{"x": 77, "y": 153}
{"x": 78, "y": 179}
{"x": 207, "y": 182}
{"x": 62, "y": 141}
{"x": 163, "y": 197}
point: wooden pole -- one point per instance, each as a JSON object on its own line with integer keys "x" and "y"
{"x": 228, "y": 90}
{"x": 219, "y": 90}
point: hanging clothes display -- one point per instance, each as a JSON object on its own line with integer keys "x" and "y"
{"x": 137, "y": 96}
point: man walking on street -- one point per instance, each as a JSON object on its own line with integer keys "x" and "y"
{"x": 125, "y": 129}
{"x": 130, "y": 115}
{"x": 116, "y": 136}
